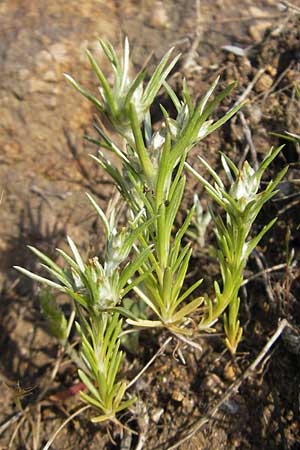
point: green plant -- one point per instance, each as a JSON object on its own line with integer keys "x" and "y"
{"x": 152, "y": 180}
{"x": 242, "y": 203}
{"x": 148, "y": 260}
{"x": 95, "y": 289}
{"x": 102, "y": 358}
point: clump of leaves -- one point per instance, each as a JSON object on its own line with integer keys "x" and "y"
{"x": 148, "y": 260}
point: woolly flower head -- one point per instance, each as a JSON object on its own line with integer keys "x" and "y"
{"x": 245, "y": 188}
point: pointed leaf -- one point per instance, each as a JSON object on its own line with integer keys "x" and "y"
{"x": 76, "y": 254}
{"x": 35, "y": 277}
{"x": 187, "y": 309}
{"x": 84, "y": 92}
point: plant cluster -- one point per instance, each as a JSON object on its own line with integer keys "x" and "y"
{"x": 148, "y": 260}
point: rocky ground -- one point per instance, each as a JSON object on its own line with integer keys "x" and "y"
{"x": 45, "y": 171}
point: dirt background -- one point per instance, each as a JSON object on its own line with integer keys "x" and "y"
{"x": 45, "y": 171}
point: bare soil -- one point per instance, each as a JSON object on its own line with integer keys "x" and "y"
{"x": 45, "y": 171}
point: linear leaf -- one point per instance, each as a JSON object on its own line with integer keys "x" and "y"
{"x": 38, "y": 278}
{"x": 84, "y": 92}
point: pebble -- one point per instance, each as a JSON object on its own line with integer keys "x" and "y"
{"x": 43, "y": 60}
{"x": 229, "y": 372}
{"x": 50, "y": 76}
{"x": 52, "y": 103}
{"x": 36, "y": 85}
{"x": 263, "y": 83}
{"x": 213, "y": 383}
{"x": 258, "y": 30}
{"x": 238, "y": 51}
{"x": 230, "y": 406}
{"x": 256, "y": 12}
{"x": 59, "y": 52}
{"x": 12, "y": 150}
{"x": 24, "y": 74}
{"x": 177, "y": 396}
{"x": 159, "y": 18}
{"x": 156, "y": 414}
{"x": 188, "y": 404}
{"x": 254, "y": 112}
{"x": 271, "y": 70}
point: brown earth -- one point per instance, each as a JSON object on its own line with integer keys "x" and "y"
{"x": 45, "y": 170}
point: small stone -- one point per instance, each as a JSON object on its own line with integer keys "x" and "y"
{"x": 12, "y": 150}
{"x": 271, "y": 70}
{"x": 50, "y": 76}
{"x": 234, "y": 49}
{"x": 177, "y": 396}
{"x": 258, "y": 30}
{"x": 156, "y": 414}
{"x": 229, "y": 372}
{"x": 256, "y": 12}
{"x": 52, "y": 103}
{"x": 159, "y": 18}
{"x": 230, "y": 406}
{"x": 24, "y": 74}
{"x": 43, "y": 60}
{"x": 264, "y": 83}
{"x": 36, "y": 85}
{"x": 188, "y": 404}
{"x": 254, "y": 113}
{"x": 213, "y": 383}
{"x": 59, "y": 52}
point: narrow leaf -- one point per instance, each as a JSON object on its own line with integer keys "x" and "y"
{"x": 101, "y": 215}
{"x": 76, "y": 254}
{"x": 35, "y": 277}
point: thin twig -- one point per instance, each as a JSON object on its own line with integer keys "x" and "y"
{"x": 287, "y": 197}
{"x": 288, "y": 206}
{"x": 258, "y": 258}
{"x": 13, "y": 436}
{"x": 275, "y": 84}
{"x": 247, "y": 131}
{"x": 10, "y": 421}
{"x": 156, "y": 355}
{"x": 53, "y": 437}
{"x": 35, "y": 424}
{"x": 235, "y": 386}
{"x": 38, "y": 427}
{"x": 188, "y": 342}
{"x": 263, "y": 272}
{"x": 143, "y": 422}
{"x": 290, "y": 6}
{"x": 248, "y": 136}
{"x": 249, "y": 87}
